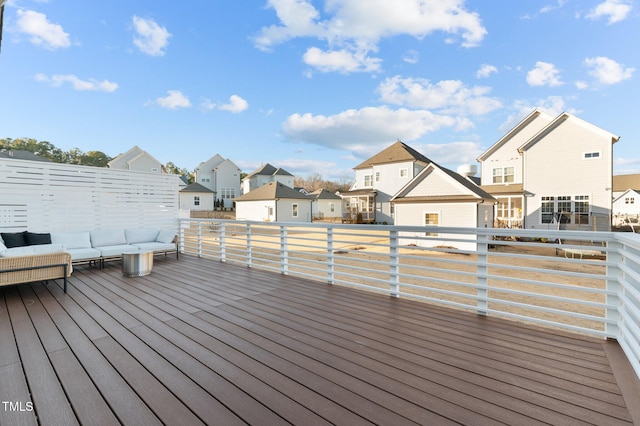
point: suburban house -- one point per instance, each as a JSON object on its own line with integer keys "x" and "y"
{"x": 138, "y": 160}
{"x": 440, "y": 197}
{"x": 273, "y": 202}
{"x": 196, "y": 197}
{"x": 326, "y": 205}
{"x": 551, "y": 172}
{"x": 221, "y": 176}
{"x": 626, "y": 200}
{"x": 264, "y": 175}
{"x": 19, "y": 154}
{"x": 378, "y": 179}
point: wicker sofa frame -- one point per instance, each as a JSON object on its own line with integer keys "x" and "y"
{"x": 38, "y": 267}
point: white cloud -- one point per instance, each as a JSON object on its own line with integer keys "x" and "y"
{"x": 356, "y": 27}
{"x": 615, "y": 10}
{"x": 551, "y": 7}
{"x": 42, "y": 32}
{"x": 370, "y": 125}
{"x": 411, "y": 57}
{"x": 236, "y": 104}
{"x": 554, "y": 105}
{"x": 544, "y": 74}
{"x": 450, "y": 96}
{"x": 340, "y": 60}
{"x": 150, "y": 38}
{"x": 58, "y": 80}
{"x": 607, "y": 71}
{"x": 486, "y": 70}
{"x": 175, "y": 99}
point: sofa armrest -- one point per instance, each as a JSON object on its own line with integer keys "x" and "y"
{"x": 25, "y": 269}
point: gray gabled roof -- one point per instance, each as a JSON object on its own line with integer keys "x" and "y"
{"x": 475, "y": 192}
{"x": 398, "y": 152}
{"x": 269, "y": 170}
{"x": 273, "y": 191}
{"x": 196, "y": 187}
{"x": 323, "y": 194}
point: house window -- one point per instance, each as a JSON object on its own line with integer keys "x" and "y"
{"x": 377, "y": 176}
{"x": 564, "y": 208}
{"x": 154, "y": 169}
{"x": 332, "y": 207}
{"x": 504, "y": 174}
{"x": 294, "y": 210}
{"x": 547, "y": 209}
{"x": 588, "y": 155}
{"x": 629, "y": 200}
{"x": 196, "y": 200}
{"x": 228, "y": 192}
{"x": 581, "y": 208}
{"x": 431, "y": 219}
{"x": 404, "y": 173}
{"x": 270, "y": 211}
{"x": 368, "y": 180}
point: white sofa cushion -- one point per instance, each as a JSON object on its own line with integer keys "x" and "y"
{"x": 30, "y": 250}
{"x": 72, "y": 240}
{"x": 83, "y": 253}
{"x": 165, "y": 236}
{"x": 116, "y": 250}
{"x": 156, "y": 246}
{"x": 105, "y": 238}
{"x": 142, "y": 235}
{"x": 3, "y": 248}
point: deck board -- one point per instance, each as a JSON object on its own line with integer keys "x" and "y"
{"x": 204, "y": 342}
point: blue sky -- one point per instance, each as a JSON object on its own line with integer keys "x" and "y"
{"x": 314, "y": 86}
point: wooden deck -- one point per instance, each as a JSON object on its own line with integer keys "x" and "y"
{"x": 198, "y": 342}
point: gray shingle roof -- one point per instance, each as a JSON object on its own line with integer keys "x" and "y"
{"x": 273, "y": 191}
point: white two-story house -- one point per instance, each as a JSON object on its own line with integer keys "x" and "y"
{"x": 551, "y": 172}
{"x": 378, "y": 179}
{"x": 137, "y": 159}
{"x": 264, "y": 175}
{"x": 221, "y": 176}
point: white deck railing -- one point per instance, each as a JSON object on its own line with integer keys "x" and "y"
{"x": 525, "y": 275}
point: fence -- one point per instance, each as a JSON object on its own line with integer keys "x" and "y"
{"x": 43, "y": 197}
{"x": 585, "y": 282}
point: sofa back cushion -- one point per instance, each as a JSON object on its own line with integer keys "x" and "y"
{"x": 34, "y": 239}
{"x": 140, "y": 235}
{"x": 104, "y": 238}
{"x": 14, "y": 239}
{"x": 72, "y": 240}
{"x": 166, "y": 236}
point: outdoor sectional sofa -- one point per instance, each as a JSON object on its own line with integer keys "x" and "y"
{"x": 28, "y": 256}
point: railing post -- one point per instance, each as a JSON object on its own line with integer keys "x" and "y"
{"x": 614, "y": 274}
{"x": 330, "y": 257}
{"x": 223, "y": 248}
{"x": 483, "y": 257}
{"x": 394, "y": 264}
{"x": 284, "y": 255}
{"x": 199, "y": 239}
{"x": 249, "y": 259}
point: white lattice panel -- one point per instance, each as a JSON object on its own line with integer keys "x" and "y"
{"x": 41, "y": 196}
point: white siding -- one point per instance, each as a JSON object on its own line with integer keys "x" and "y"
{"x": 322, "y": 209}
{"x": 46, "y": 197}
{"x": 462, "y": 215}
{"x": 187, "y": 201}
{"x": 507, "y": 155}
{"x": 285, "y": 209}
{"x": 555, "y": 166}
{"x": 256, "y": 210}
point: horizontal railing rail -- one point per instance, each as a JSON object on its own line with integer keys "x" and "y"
{"x": 585, "y": 282}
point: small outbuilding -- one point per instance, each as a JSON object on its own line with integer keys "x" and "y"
{"x": 439, "y": 197}
{"x": 197, "y": 197}
{"x": 274, "y": 202}
{"x": 326, "y": 206}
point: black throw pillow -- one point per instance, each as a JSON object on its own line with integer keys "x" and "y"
{"x": 14, "y": 239}
{"x": 34, "y": 239}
